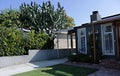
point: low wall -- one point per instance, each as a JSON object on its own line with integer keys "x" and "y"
{"x": 34, "y": 56}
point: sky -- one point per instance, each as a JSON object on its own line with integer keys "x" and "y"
{"x": 79, "y": 10}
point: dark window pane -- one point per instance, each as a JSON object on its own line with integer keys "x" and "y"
{"x": 108, "y": 28}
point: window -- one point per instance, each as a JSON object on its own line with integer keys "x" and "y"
{"x": 82, "y": 32}
{"x": 108, "y": 42}
{"x": 107, "y": 39}
{"x": 108, "y": 28}
{"x": 82, "y": 41}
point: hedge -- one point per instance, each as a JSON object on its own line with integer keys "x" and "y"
{"x": 16, "y": 42}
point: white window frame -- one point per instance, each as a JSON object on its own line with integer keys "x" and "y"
{"x": 79, "y": 40}
{"x": 102, "y": 39}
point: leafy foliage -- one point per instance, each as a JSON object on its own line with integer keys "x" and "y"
{"x": 11, "y": 42}
{"x": 37, "y": 41}
{"x": 44, "y": 18}
{"x": 42, "y": 21}
{"x": 70, "y": 22}
{"x": 16, "y": 42}
{"x": 9, "y": 18}
{"x": 80, "y": 58}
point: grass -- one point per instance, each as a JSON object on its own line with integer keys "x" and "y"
{"x": 59, "y": 70}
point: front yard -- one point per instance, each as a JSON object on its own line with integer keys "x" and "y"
{"x": 59, "y": 70}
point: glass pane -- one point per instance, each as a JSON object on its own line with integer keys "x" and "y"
{"x": 82, "y": 32}
{"x": 83, "y": 44}
{"x": 108, "y": 43}
{"x": 108, "y": 28}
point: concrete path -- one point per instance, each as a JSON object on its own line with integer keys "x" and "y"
{"x": 8, "y": 71}
{"x": 106, "y": 72}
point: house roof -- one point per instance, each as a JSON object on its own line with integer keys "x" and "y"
{"x": 63, "y": 31}
{"x": 71, "y": 31}
{"x": 108, "y": 19}
{"x": 102, "y": 21}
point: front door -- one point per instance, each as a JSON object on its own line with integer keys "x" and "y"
{"x": 107, "y": 39}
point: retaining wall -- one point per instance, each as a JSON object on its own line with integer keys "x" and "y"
{"x": 34, "y": 56}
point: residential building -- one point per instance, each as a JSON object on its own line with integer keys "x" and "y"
{"x": 100, "y": 35}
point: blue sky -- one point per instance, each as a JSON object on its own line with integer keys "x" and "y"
{"x": 80, "y": 10}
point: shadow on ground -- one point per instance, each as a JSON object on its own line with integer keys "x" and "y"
{"x": 67, "y": 70}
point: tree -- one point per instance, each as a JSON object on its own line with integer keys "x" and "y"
{"x": 29, "y": 16}
{"x": 70, "y": 22}
{"x": 9, "y": 18}
{"x": 44, "y": 18}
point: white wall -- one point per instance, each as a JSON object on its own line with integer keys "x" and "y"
{"x": 61, "y": 43}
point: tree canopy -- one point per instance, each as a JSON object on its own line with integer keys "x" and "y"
{"x": 44, "y": 17}
{"x": 9, "y": 18}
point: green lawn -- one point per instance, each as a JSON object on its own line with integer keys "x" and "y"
{"x": 59, "y": 70}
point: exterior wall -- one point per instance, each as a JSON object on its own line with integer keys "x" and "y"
{"x": 89, "y": 31}
{"x": 34, "y": 55}
{"x": 115, "y": 39}
{"x": 98, "y": 39}
{"x": 61, "y": 41}
{"x": 116, "y": 27}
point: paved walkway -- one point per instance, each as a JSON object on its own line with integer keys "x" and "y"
{"x": 106, "y": 72}
{"x": 101, "y": 72}
{"x": 8, "y": 71}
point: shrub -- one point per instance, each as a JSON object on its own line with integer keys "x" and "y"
{"x": 11, "y": 42}
{"x": 83, "y": 58}
{"x": 37, "y": 40}
{"x": 72, "y": 57}
{"x": 16, "y": 42}
{"x": 80, "y": 58}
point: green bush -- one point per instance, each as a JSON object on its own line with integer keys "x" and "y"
{"x": 16, "y": 42}
{"x": 79, "y": 58}
{"x": 83, "y": 58}
{"x": 72, "y": 57}
{"x": 11, "y": 42}
{"x": 37, "y": 40}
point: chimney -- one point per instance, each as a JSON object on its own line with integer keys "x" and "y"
{"x": 95, "y": 16}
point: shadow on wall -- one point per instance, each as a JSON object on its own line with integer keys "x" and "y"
{"x": 41, "y": 55}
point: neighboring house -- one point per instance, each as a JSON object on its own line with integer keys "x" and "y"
{"x": 62, "y": 40}
{"x": 101, "y": 34}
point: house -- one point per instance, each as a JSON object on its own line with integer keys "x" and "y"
{"x": 62, "y": 40}
{"x": 101, "y": 36}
